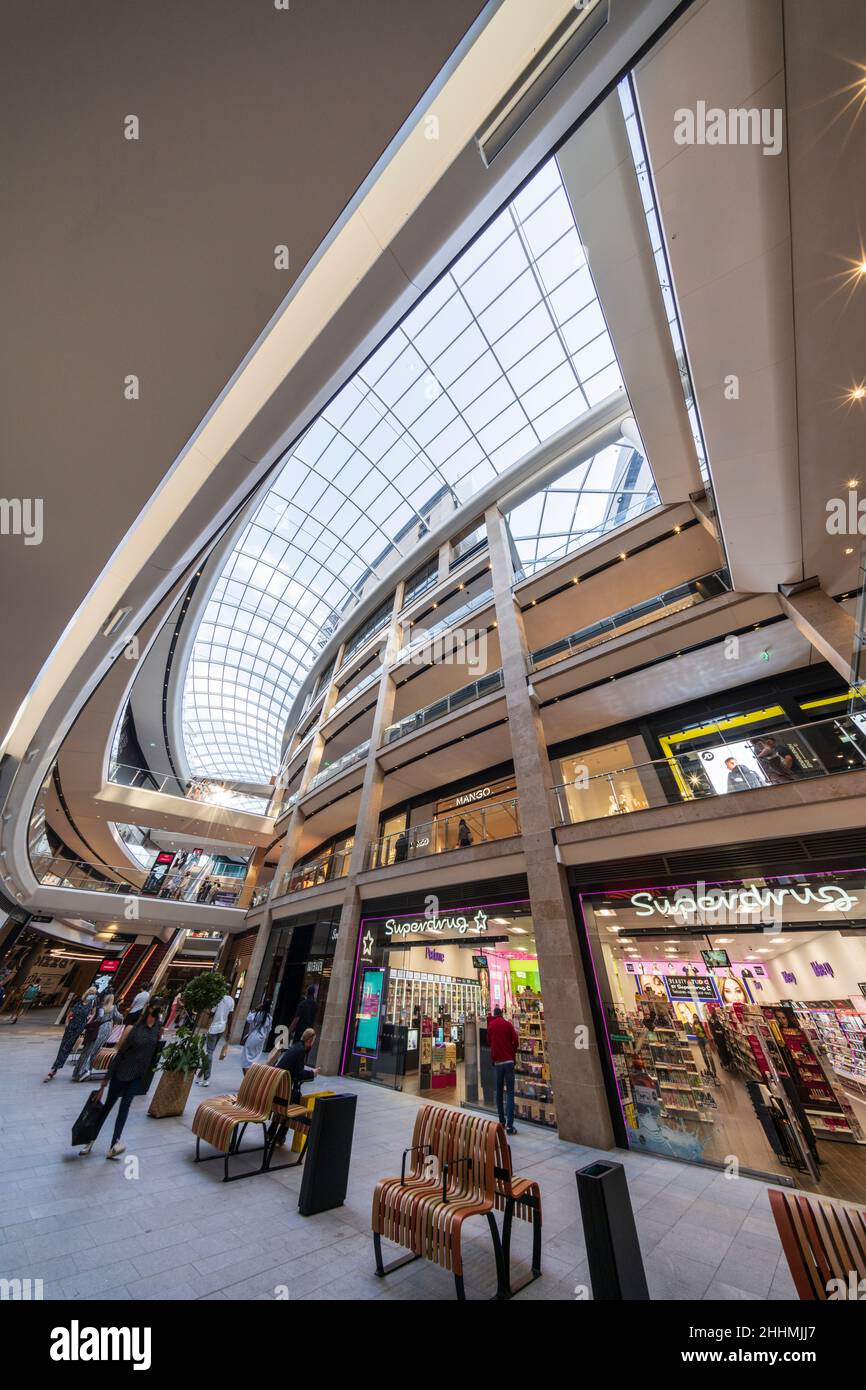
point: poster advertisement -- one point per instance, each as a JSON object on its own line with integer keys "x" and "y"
{"x": 370, "y": 1013}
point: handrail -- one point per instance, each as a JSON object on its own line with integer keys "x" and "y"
{"x": 478, "y": 601}
{"x": 466, "y": 695}
{"x": 209, "y": 789}
{"x": 661, "y": 605}
{"x": 315, "y": 872}
{"x": 500, "y": 820}
{"x": 55, "y": 871}
{"x": 354, "y": 755}
{"x": 819, "y": 749}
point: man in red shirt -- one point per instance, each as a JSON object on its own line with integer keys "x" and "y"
{"x": 503, "y": 1042}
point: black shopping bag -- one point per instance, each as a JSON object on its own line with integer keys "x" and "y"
{"x": 86, "y": 1127}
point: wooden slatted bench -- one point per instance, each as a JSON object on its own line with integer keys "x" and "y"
{"x": 460, "y": 1167}
{"x": 824, "y": 1243}
{"x": 263, "y": 1099}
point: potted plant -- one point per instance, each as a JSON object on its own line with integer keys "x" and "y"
{"x": 185, "y": 1055}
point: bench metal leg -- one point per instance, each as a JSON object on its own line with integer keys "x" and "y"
{"x": 383, "y": 1269}
{"x": 502, "y": 1289}
{"x": 507, "y": 1224}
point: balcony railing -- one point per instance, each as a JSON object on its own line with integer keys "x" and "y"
{"x": 469, "y": 826}
{"x": 784, "y": 757}
{"x": 466, "y": 695}
{"x": 356, "y": 690}
{"x": 340, "y": 764}
{"x": 660, "y": 606}
{"x": 428, "y": 633}
{"x": 207, "y": 789}
{"x": 578, "y": 540}
{"x": 54, "y": 871}
{"x": 318, "y": 871}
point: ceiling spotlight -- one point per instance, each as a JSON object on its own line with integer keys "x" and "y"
{"x": 849, "y": 550}
{"x": 853, "y": 482}
{"x": 623, "y": 554}
{"x": 778, "y": 940}
{"x": 575, "y": 580}
{"x": 724, "y": 940}
{"x": 857, "y": 393}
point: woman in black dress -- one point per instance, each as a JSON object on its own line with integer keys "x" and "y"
{"x": 75, "y": 1025}
{"x": 135, "y": 1057}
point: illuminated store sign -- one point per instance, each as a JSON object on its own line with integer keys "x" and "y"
{"x": 722, "y": 905}
{"x": 437, "y": 926}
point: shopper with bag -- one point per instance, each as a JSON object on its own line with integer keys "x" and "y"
{"x": 128, "y": 1077}
{"x": 216, "y": 1029}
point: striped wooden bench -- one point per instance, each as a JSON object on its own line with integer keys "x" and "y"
{"x": 824, "y": 1243}
{"x": 263, "y": 1099}
{"x": 460, "y": 1167}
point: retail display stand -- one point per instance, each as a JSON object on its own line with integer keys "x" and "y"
{"x": 533, "y": 1095}
{"x": 680, "y": 1086}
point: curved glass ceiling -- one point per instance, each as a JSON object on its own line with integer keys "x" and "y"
{"x": 507, "y": 348}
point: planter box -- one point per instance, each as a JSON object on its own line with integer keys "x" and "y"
{"x": 171, "y": 1095}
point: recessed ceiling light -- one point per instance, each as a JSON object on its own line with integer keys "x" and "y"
{"x": 853, "y": 482}
{"x": 857, "y": 393}
{"x": 778, "y": 940}
{"x": 849, "y": 550}
{"x": 623, "y": 554}
{"x": 724, "y": 940}
{"x": 763, "y": 951}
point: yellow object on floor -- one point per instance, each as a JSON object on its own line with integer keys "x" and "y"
{"x": 300, "y": 1138}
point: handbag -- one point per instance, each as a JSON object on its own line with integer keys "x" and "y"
{"x": 86, "y": 1127}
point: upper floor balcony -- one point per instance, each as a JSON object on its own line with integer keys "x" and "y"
{"x": 206, "y": 789}
{"x": 786, "y": 757}
{"x": 56, "y": 871}
{"x": 458, "y": 699}
{"x": 638, "y": 615}
{"x": 470, "y": 826}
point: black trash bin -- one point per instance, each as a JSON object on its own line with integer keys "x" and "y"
{"x": 615, "y": 1262}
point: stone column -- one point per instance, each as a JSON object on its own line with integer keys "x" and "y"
{"x": 244, "y": 1004}
{"x": 582, "y": 1110}
{"x": 366, "y": 829}
{"x": 444, "y": 561}
{"x": 825, "y": 624}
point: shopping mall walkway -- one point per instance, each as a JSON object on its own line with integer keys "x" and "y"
{"x": 177, "y": 1232}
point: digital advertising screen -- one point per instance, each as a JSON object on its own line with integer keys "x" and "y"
{"x": 369, "y": 1012}
{"x": 716, "y": 960}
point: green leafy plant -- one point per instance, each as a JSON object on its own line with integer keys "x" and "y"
{"x": 205, "y": 991}
{"x": 186, "y": 1053}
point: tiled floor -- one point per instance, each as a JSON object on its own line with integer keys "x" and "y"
{"x": 175, "y": 1231}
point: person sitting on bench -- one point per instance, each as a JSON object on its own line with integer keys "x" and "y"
{"x": 293, "y": 1061}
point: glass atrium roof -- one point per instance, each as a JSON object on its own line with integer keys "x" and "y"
{"x": 503, "y": 351}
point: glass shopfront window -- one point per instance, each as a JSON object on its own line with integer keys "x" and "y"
{"x": 424, "y": 987}
{"x": 735, "y": 1018}
{"x": 299, "y": 954}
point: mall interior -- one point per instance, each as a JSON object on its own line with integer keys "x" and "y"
{"x": 464, "y": 611}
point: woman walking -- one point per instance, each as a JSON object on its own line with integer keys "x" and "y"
{"x": 260, "y": 1026}
{"x": 75, "y": 1025}
{"x": 134, "y": 1060}
{"x": 96, "y": 1033}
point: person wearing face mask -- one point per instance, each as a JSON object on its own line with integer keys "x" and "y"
{"x": 127, "y": 1075}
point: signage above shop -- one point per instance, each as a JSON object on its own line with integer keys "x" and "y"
{"x": 438, "y": 926}
{"x": 721, "y": 905}
{"x": 505, "y": 786}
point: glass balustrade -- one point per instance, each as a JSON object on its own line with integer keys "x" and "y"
{"x": 312, "y": 874}
{"x": 659, "y": 606}
{"x": 203, "y": 887}
{"x": 471, "y": 825}
{"x": 206, "y": 789}
{"x": 786, "y": 756}
{"x": 426, "y": 634}
{"x": 356, "y": 690}
{"x": 340, "y": 764}
{"x": 466, "y": 695}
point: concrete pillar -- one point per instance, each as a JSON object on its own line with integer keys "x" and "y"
{"x": 254, "y": 868}
{"x": 444, "y": 561}
{"x": 245, "y": 1002}
{"x": 366, "y": 829}
{"x": 582, "y": 1111}
{"x": 826, "y": 625}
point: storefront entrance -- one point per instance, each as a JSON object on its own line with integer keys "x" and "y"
{"x": 298, "y": 957}
{"x": 735, "y": 1017}
{"x": 423, "y": 990}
